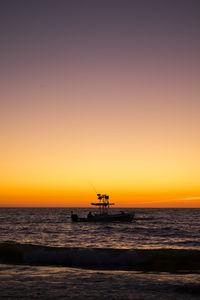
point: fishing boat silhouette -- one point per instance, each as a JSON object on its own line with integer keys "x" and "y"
{"x": 104, "y": 215}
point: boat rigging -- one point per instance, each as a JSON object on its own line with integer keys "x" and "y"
{"x": 104, "y": 215}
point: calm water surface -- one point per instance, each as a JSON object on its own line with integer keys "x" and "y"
{"x": 151, "y": 229}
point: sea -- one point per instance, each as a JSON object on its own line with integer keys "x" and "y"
{"x": 43, "y": 255}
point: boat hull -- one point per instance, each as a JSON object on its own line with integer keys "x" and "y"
{"x": 122, "y": 217}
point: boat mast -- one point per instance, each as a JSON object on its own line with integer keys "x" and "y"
{"x": 104, "y": 201}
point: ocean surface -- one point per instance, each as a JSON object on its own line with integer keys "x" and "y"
{"x": 43, "y": 255}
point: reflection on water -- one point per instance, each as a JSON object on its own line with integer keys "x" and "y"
{"x": 26, "y": 282}
{"x": 152, "y": 228}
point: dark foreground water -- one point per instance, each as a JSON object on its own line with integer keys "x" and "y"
{"x": 45, "y": 256}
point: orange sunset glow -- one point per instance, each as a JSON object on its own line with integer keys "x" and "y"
{"x": 113, "y": 105}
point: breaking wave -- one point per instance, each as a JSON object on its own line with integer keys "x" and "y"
{"x": 161, "y": 260}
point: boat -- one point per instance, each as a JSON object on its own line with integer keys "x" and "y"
{"x": 104, "y": 215}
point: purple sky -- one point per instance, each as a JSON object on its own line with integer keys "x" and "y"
{"x": 89, "y": 85}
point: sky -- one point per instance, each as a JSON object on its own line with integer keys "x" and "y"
{"x": 100, "y": 96}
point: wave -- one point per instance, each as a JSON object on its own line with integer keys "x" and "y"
{"x": 161, "y": 260}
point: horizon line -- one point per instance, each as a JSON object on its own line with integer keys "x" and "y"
{"x": 150, "y": 207}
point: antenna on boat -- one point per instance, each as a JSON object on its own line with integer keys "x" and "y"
{"x": 93, "y": 187}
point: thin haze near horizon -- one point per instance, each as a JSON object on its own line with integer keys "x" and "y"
{"x": 104, "y": 92}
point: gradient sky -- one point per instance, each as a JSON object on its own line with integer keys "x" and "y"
{"x": 101, "y": 92}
